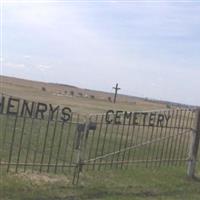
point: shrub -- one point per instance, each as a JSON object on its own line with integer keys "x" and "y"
{"x": 80, "y": 94}
{"x": 92, "y": 96}
{"x": 43, "y": 89}
{"x": 72, "y": 93}
{"x": 168, "y": 106}
{"x": 109, "y": 99}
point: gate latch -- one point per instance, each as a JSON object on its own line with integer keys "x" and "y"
{"x": 81, "y": 130}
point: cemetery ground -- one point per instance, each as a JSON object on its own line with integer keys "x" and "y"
{"x": 166, "y": 183}
{"x": 137, "y": 182}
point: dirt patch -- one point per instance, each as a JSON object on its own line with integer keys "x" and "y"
{"x": 40, "y": 179}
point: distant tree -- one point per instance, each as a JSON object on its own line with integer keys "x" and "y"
{"x": 43, "y": 89}
{"x": 80, "y": 94}
{"x": 72, "y": 93}
{"x": 109, "y": 99}
{"x": 92, "y": 96}
{"x": 65, "y": 92}
{"x": 168, "y": 106}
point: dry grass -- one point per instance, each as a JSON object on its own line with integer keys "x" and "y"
{"x": 41, "y": 179}
{"x": 55, "y": 94}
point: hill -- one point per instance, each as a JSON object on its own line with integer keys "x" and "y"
{"x": 80, "y": 99}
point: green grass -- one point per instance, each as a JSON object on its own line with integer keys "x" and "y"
{"x": 133, "y": 184}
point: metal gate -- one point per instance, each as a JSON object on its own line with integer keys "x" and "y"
{"x": 126, "y": 143}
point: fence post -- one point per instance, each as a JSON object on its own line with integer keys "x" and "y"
{"x": 82, "y": 131}
{"x": 194, "y": 145}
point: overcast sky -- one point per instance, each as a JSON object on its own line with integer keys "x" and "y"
{"x": 152, "y": 49}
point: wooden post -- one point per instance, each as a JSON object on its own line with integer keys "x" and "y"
{"x": 116, "y": 88}
{"x": 194, "y": 145}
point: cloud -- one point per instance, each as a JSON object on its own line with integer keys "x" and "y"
{"x": 27, "y": 57}
{"x": 43, "y": 67}
{"x": 23, "y": 66}
{"x": 15, "y": 65}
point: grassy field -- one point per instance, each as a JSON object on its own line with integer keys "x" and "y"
{"x": 137, "y": 182}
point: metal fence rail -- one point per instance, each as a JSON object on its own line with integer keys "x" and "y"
{"x": 97, "y": 142}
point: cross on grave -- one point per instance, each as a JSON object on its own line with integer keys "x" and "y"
{"x": 116, "y": 88}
